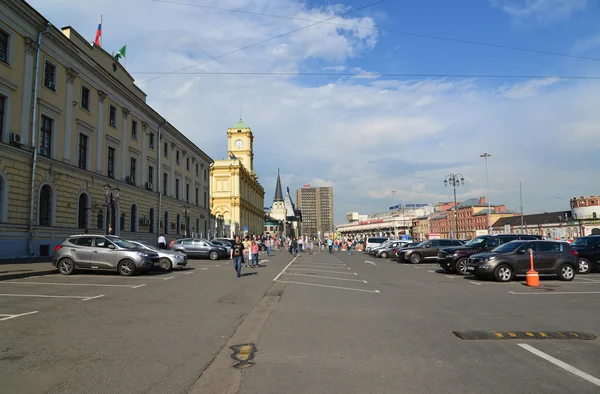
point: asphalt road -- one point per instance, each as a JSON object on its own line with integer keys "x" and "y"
{"x": 319, "y": 323}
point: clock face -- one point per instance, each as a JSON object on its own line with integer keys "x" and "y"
{"x": 239, "y": 144}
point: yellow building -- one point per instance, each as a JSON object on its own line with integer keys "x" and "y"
{"x": 101, "y": 159}
{"x": 237, "y": 199}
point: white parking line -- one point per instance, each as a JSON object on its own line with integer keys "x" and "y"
{"x": 67, "y": 284}
{"x": 138, "y": 286}
{"x": 591, "y": 280}
{"x": 204, "y": 269}
{"x": 8, "y": 317}
{"x": 321, "y": 266}
{"x": 50, "y": 296}
{"x": 450, "y": 276}
{"x": 330, "y": 287}
{"x": 557, "y": 292}
{"x": 327, "y": 277}
{"x": 189, "y": 273}
{"x": 170, "y": 277}
{"x": 475, "y": 283}
{"x": 331, "y": 272}
{"x": 370, "y": 262}
{"x": 93, "y": 298}
{"x": 286, "y": 267}
{"x": 433, "y": 272}
{"x": 561, "y": 364}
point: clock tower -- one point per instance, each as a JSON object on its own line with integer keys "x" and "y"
{"x": 240, "y": 145}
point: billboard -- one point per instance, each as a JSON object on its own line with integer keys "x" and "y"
{"x": 306, "y": 185}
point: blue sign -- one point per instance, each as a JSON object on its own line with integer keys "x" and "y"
{"x": 245, "y": 228}
{"x": 415, "y": 205}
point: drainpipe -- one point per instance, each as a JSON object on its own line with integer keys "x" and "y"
{"x": 33, "y": 136}
{"x": 160, "y": 191}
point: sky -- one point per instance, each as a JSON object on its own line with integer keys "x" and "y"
{"x": 420, "y": 102}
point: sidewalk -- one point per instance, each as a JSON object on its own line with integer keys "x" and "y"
{"x": 22, "y": 268}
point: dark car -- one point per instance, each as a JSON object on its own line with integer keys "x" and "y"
{"x": 455, "y": 259}
{"x": 199, "y": 248}
{"x": 426, "y": 250}
{"x": 512, "y": 259}
{"x": 588, "y": 249}
{"x": 388, "y": 250}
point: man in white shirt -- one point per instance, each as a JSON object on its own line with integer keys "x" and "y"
{"x": 162, "y": 242}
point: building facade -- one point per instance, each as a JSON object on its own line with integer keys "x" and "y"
{"x": 393, "y": 223}
{"x": 237, "y": 198}
{"x": 81, "y": 150}
{"x": 586, "y": 210}
{"x": 559, "y": 225}
{"x": 316, "y": 205}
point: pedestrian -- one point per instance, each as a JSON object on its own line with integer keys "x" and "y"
{"x": 269, "y": 246}
{"x": 294, "y": 246}
{"x": 308, "y": 247}
{"x": 254, "y": 251}
{"x": 237, "y": 255}
{"x": 336, "y": 245}
{"x": 247, "y": 258}
{"x": 349, "y": 246}
{"x": 162, "y": 242}
{"x": 300, "y": 244}
{"x": 330, "y": 245}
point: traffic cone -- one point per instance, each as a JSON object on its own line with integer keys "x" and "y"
{"x": 533, "y": 278}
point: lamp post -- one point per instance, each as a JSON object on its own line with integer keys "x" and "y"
{"x": 487, "y": 184}
{"x": 454, "y": 180}
{"x": 186, "y": 213}
{"x": 111, "y": 194}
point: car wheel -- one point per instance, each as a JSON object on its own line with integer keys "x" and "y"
{"x": 461, "y": 267}
{"x": 126, "y": 268}
{"x": 583, "y": 266}
{"x": 66, "y": 266}
{"x": 213, "y": 255}
{"x": 503, "y": 273}
{"x": 566, "y": 272}
{"x": 384, "y": 255}
{"x": 415, "y": 258}
{"x": 165, "y": 264}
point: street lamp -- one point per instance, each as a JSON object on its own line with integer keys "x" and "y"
{"x": 454, "y": 180}
{"x": 186, "y": 213}
{"x": 111, "y": 194}
{"x": 487, "y": 183}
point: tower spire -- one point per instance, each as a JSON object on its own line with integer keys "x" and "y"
{"x": 278, "y": 192}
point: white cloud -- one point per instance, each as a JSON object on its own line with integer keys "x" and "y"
{"x": 526, "y": 89}
{"x": 540, "y": 10}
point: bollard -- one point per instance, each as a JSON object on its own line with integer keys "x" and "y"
{"x": 533, "y": 279}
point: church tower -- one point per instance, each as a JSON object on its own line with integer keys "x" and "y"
{"x": 240, "y": 145}
{"x": 278, "y": 209}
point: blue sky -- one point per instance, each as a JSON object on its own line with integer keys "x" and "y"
{"x": 368, "y": 135}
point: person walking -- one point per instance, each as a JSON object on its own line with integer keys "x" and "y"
{"x": 300, "y": 244}
{"x": 349, "y": 245}
{"x": 330, "y": 245}
{"x": 294, "y": 246}
{"x": 162, "y": 242}
{"x": 254, "y": 251}
{"x": 247, "y": 258}
{"x": 237, "y": 255}
{"x": 269, "y": 246}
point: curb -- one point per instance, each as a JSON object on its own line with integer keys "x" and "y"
{"x": 27, "y": 274}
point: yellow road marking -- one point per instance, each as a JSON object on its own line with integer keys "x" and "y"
{"x": 530, "y": 334}
{"x": 543, "y": 335}
{"x": 512, "y": 334}
{"x": 499, "y": 334}
{"x": 573, "y": 334}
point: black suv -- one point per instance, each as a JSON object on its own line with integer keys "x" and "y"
{"x": 512, "y": 259}
{"x": 426, "y": 250}
{"x": 454, "y": 260}
{"x": 588, "y": 249}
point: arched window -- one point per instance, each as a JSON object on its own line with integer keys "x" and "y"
{"x": 151, "y": 226}
{"x": 45, "y": 206}
{"x": 83, "y": 210}
{"x": 3, "y": 198}
{"x": 166, "y": 226}
{"x": 198, "y": 227}
{"x": 178, "y": 224}
{"x": 134, "y": 220}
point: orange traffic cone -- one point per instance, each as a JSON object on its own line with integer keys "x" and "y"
{"x": 533, "y": 278}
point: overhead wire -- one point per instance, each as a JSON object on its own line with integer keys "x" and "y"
{"x": 428, "y": 36}
{"x": 265, "y": 41}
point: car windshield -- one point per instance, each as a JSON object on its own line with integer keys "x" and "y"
{"x": 475, "y": 242}
{"x": 148, "y": 246}
{"x": 122, "y": 243}
{"x": 582, "y": 241}
{"x": 419, "y": 245}
{"x": 508, "y": 247}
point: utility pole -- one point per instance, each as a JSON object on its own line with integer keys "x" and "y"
{"x": 394, "y": 202}
{"x": 521, "y": 197}
{"x": 454, "y": 180}
{"x": 487, "y": 183}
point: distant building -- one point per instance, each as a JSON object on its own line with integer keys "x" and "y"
{"x": 395, "y": 222}
{"x": 587, "y": 211}
{"x": 282, "y": 218}
{"x": 316, "y": 204}
{"x": 553, "y": 225}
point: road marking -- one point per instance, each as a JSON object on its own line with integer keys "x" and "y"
{"x": 475, "y": 283}
{"x": 433, "y": 272}
{"x": 170, "y": 277}
{"x": 204, "y": 269}
{"x": 591, "y": 280}
{"x": 331, "y": 272}
{"x": 330, "y": 287}
{"x": 45, "y": 296}
{"x": 321, "y": 266}
{"x": 93, "y": 298}
{"x": 189, "y": 273}
{"x": 263, "y": 261}
{"x": 558, "y": 292}
{"x": 327, "y": 277}
{"x": 561, "y": 364}
{"x": 68, "y": 284}
{"x": 450, "y": 276}
{"x": 370, "y": 262}
{"x": 8, "y": 317}
{"x": 286, "y": 267}
{"x": 218, "y": 265}
{"x": 138, "y": 286}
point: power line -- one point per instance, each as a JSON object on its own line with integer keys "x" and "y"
{"x": 267, "y": 40}
{"x": 433, "y": 37}
{"x": 407, "y": 75}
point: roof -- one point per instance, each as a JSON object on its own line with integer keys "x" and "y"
{"x": 442, "y": 216}
{"x": 239, "y": 125}
{"x": 535, "y": 219}
{"x": 468, "y": 203}
{"x": 278, "y": 192}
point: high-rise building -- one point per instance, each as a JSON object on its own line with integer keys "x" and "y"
{"x": 316, "y": 205}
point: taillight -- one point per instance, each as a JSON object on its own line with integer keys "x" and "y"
{"x": 58, "y": 247}
{"x": 573, "y": 251}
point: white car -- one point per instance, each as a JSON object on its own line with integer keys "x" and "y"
{"x": 372, "y": 242}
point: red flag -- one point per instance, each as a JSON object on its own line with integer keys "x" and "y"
{"x": 98, "y": 40}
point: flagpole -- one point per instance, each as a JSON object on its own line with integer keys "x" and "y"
{"x": 100, "y": 30}
{"x": 125, "y": 57}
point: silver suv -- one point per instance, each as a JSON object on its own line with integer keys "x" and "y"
{"x": 102, "y": 252}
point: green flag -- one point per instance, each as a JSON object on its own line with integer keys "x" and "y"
{"x": 121, "y": 53}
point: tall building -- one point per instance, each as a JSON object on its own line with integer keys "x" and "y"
{"x": 316, "y": 205}
{"x": 237, "y": 199}
{"x": 82, "y": 151}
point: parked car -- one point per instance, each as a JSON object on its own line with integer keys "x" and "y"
{"x": 228, "y": 240}
{"x": 588, "y": 249}
{"x": 454, "y": 259}
{"x": 371, "y": 242}
{"x": 102, "y": 252}
{"x": 373, "y": 250}
{"x": 409, "y": 245}
{"x": 199, "y": 248}
{"x": 388, "y": 250}
{"x": 224, "y": 244}
{"x": 168, "y": 258}
{"x": 427, "y": 250}
{"x": 512, "y": 259}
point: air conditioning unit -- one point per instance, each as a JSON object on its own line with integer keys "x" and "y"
{"x": 15, "y": 138}
{"x": 43, "y": 151}
{"x": 148, "y": 185}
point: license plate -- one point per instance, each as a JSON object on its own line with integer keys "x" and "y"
{"x": 470, "y": 268}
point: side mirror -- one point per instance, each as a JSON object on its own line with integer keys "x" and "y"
{"x": 428, "y": 245}
{"x": 520, "y": 251}
{"x": 111, "y": 246}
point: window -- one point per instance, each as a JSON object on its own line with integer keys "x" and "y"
{"x": 553, "y": 247}
{"x": 4, "y": 46}
{"x": 112, "y": 116}
{"x": 165, "y": 183}
{"x": 178, "y": 224}
{"x": 166, "y": 145}
{"x": 132, "y": 170}
{"x": 187, "y": 163}
{"x": 197, "y": 195}
{"x": 111, "y": 162}
{"x": 103, "y": 243}
{"x": 133, "y": 224}
{"x": 177, "y": 189}
{"x": 205, "y": 200}
{"x": 134, "y": 129}
{"x": 2, "y": 111}
{"x": 197, "y": 169}
{"x": 187, "y": 192}
{"x": 151, "y": 175}
{"x": 177, "y": 156}
{"x": 45, "y": 207}
{"x": 46, "y": 136}
{"x": 83, "y": 151}
{"x": 83, "y": 241}
{"x": 166, "y": 223}
{"x": 151, "y": 226}
{"x": 85, "y": 98}
{"x": 151, "y": 144}
{"x": 205, "y": 173}
{"x": 82, "y": 212}
{"x": 50, "y": 76}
